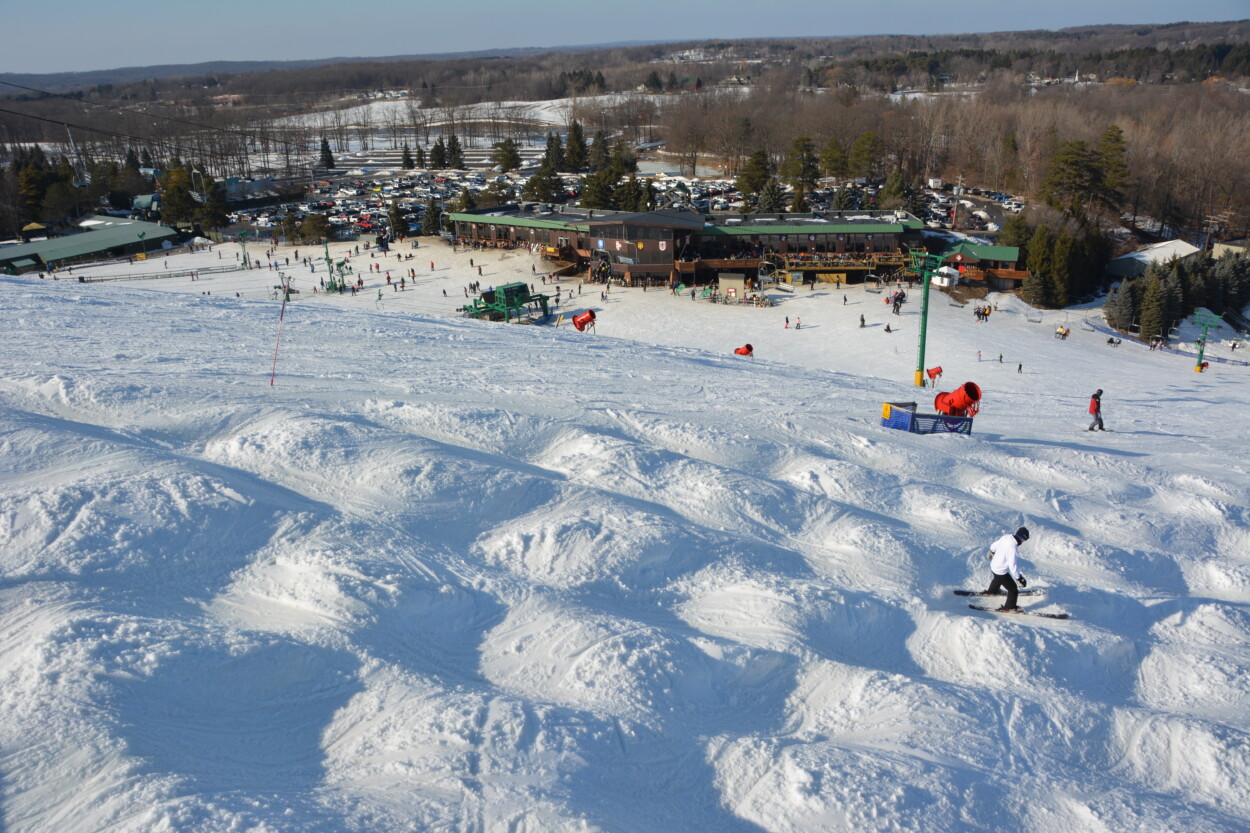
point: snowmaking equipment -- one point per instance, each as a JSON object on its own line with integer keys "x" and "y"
{"x": 955, "y": 410}
{"x": 583, "y": 320}
{"x": 963, "y": 401}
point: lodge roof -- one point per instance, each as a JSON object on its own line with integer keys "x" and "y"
{"x": 99, "y": 234}
{"x": 978, "y": 251}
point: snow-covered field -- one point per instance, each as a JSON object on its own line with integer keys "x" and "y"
{"x": 452, "y": 575}
{"x": 555, "y": 112}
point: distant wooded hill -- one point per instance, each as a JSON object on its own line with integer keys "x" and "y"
{"x": 1042, "y": 45}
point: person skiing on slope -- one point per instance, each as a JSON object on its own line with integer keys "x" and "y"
{"x": 1005, "y": 569}
{"x": 1095, "y": 408}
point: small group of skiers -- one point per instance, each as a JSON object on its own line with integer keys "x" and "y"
{"x": 982, "y": 313}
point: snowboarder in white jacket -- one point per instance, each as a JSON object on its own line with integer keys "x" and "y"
{"x": 1005, "y": 570}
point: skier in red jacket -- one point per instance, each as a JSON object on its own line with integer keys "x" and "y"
{"x": 1095, "y": 408}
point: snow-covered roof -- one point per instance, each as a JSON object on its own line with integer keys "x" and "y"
{"x": 1161, "y": 252}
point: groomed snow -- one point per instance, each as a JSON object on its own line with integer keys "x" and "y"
{"x": 454, "y": 575}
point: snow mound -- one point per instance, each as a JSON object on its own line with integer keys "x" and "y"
{"x": 451, "y": 575}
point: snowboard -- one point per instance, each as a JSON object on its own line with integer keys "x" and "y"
{"x": 1020, "y": 612}
{"x": 1032, "y": 591}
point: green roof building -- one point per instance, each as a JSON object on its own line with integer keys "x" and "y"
{"x": 671, "y": 246}
{"x": 98, "y": 238}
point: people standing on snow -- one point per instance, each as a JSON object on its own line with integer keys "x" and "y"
{"x": 1005, "y": 570}
{"x": 1095, "y": 408}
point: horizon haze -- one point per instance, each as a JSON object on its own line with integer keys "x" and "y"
{"x": 94, "y": 37}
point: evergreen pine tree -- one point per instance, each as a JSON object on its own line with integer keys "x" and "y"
{"x": 867, "y": 155}
{"x": 891, "y": 195}
{"x": 622, "y": 160}
{"x": 1173, "y": 298}
{"x": 1151, "y": 310}
{"x": 575, "y": 152}
{"x": 800, "y": 167}
{"x": 407, "y": 162}
{"x": 1060, "y": 277}
{"x": 544, "y": 186}
{"x": 420, "y": 157}
{"x": 772, "y": 198}
{"x": 628, "y": 194}
{"x": 833, "y": 158}
{"x": 438, "y": 155}
{"x": 646, "y": 196}
{"x": 598, "y": 190}
{"x": 1232, "y": 278}
{"x": 1111, "y": 158}
{"x": 325, "y": 159}
{"x": 1120, "y": 308}
{"x": 455, "y": 154}
{"x": 1072, "y": 178}
{"x": 395, "y": 217}
{"x": 431, "y": 220}
{"x": 1015, "y": 232}
{"x": 214, "y": 211}
{"x": 506, "y": 155}
{"x": 466, "y": 201}
{"x": 843, "y": 199}
{"x": 599, "y": 154}
{"x": 554, "y": 154}
{"x": 755, "y": 173}
{"x": 1036, "y": 288}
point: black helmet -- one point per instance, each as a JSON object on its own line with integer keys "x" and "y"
{"x": 1023, "y": 533}
{"x": 1098, "y": 392}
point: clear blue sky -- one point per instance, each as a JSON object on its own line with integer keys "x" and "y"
{"x": 76, "y": 35}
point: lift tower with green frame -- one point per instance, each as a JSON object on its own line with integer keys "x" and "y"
{"x": 1207, "y": 320}
{"x": 925, "y": 266}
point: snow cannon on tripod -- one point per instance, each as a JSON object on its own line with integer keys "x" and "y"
{"x": 583, "y": 320}
{"x": 955, "y": 410}
{"x": 963, "y": 401}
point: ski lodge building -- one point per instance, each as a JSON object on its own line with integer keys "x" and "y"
{"x": 660, "y": 248}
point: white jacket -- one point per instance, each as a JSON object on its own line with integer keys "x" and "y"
{"x": 1003, "y": 561}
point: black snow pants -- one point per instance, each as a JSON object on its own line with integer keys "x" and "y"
{"x": 1005, "y": 582}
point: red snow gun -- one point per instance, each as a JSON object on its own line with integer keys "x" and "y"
{"x": 583, "y": 320}
{"x": 963, "y": 401}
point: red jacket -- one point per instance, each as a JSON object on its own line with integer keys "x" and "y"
{"x": 1095, "y": 405}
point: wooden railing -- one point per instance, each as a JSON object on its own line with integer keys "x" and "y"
{"x": 1006, "y": 274}
{"x": 829, "y": 260}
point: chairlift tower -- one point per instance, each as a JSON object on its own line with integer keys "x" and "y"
{"x": 1207, "y": 320}
{"x": 926, "y": 267}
